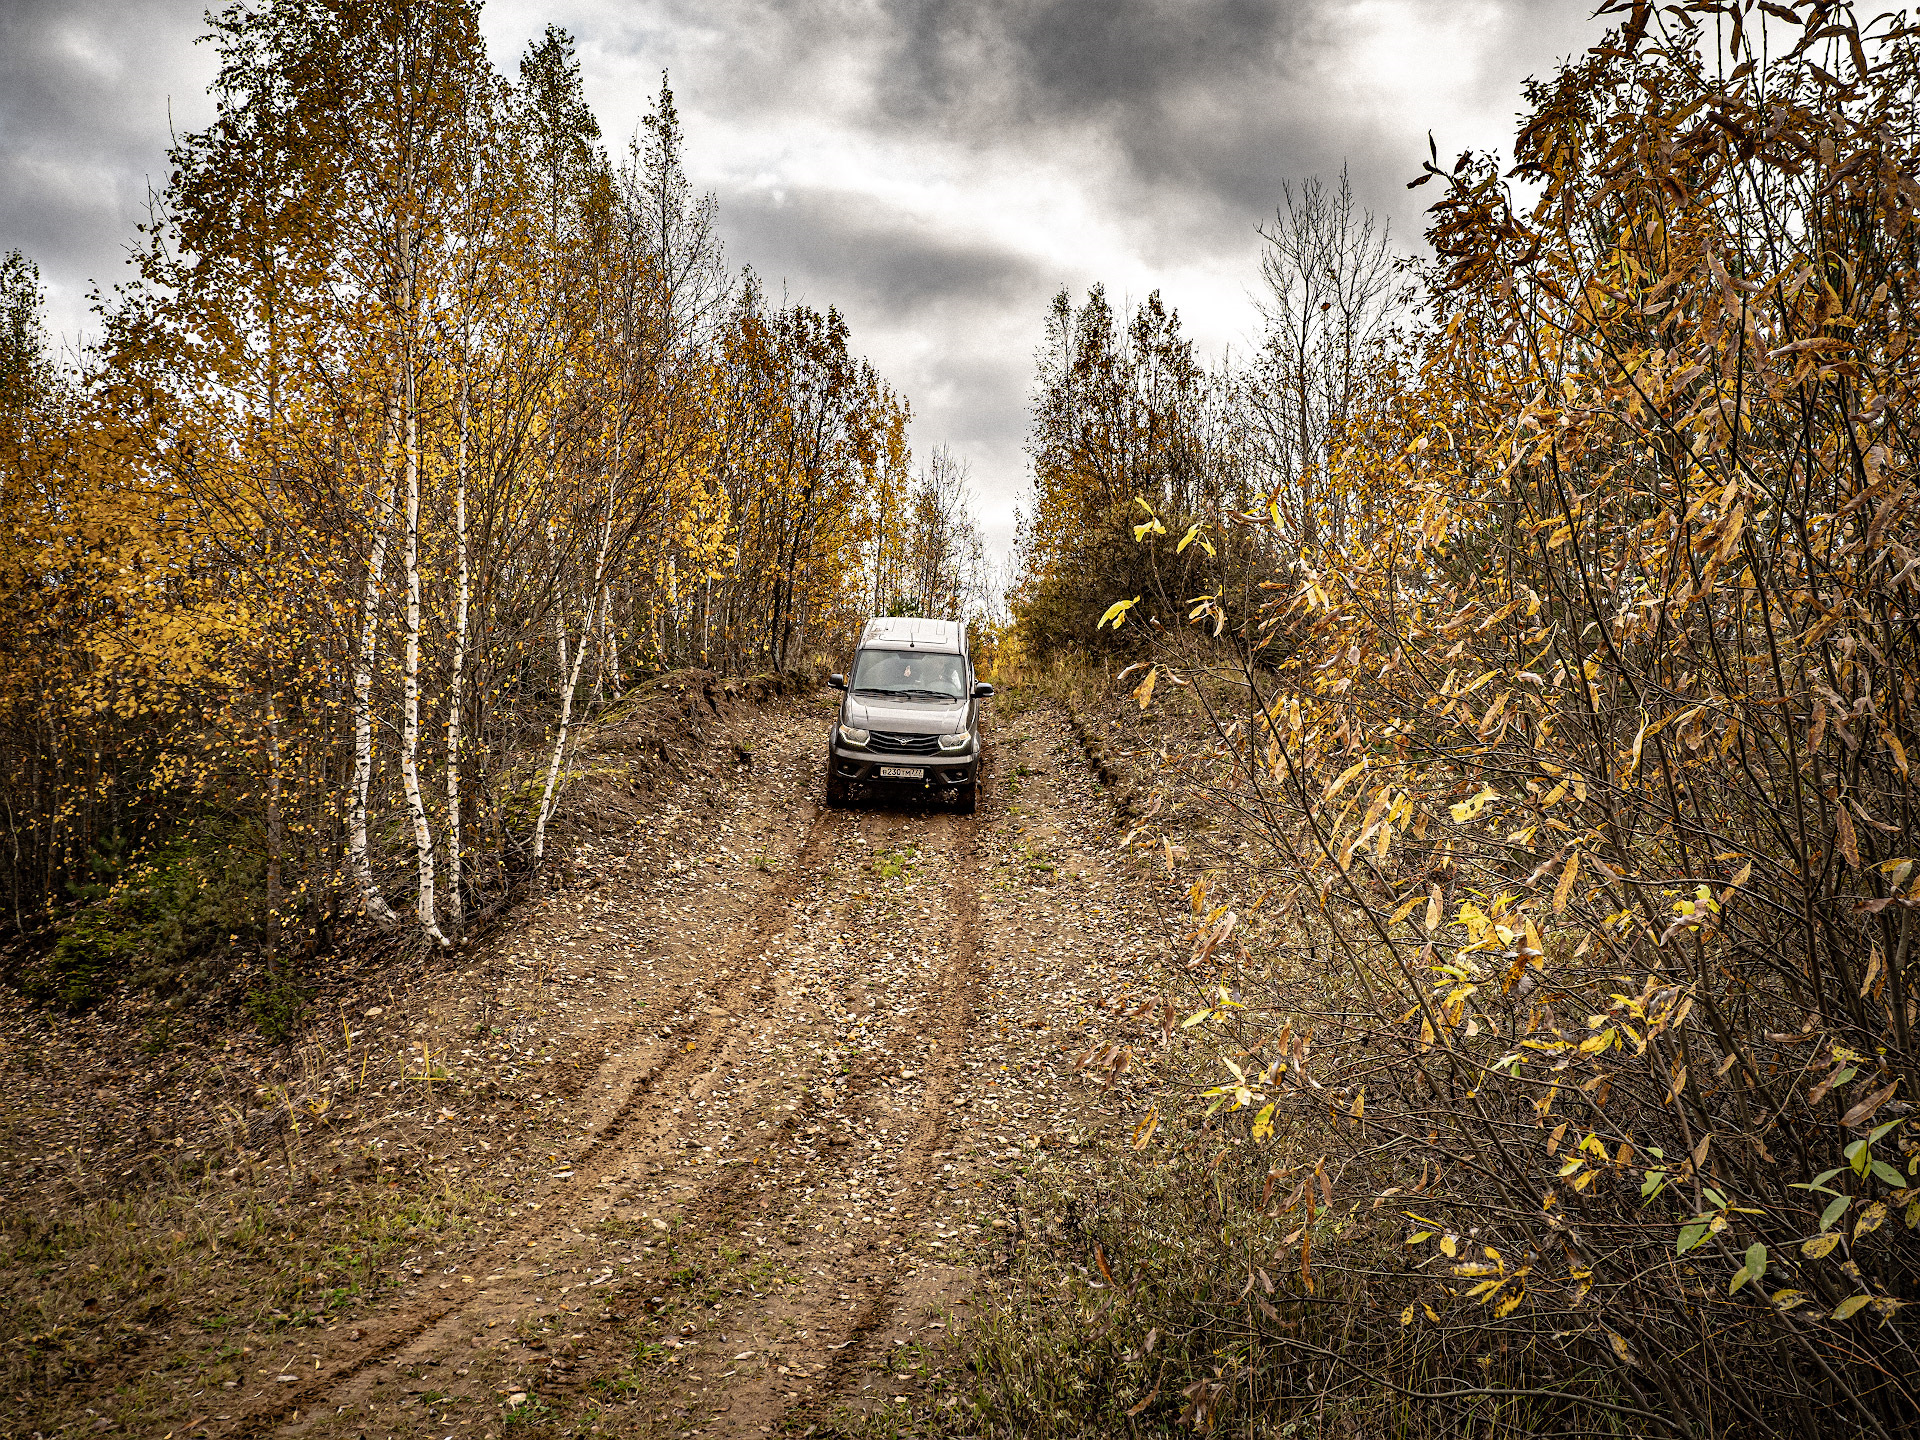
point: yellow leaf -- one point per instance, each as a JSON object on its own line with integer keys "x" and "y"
{"x": 1565, "y": 888}
{"x": 1850, "y": 1307}
{"x": 1468, "y": 809}
{"x": 1117, "y": 612}
{"x": 1406, "y": 1315}
{"x": 1143, "y": 1132}
{"x": 1450, "y": 1245}
{"x": 1144, "y": 692}
{"x": 1404, "y": 911}
{"x": 1849, "y": 844}
{"x": 1433, "y": 910}
{"x": 1871, "y": 1219}
{"x": 1507, "y": 1306}
{"x": 1819, "y": 1247}
{"x": 1345, "y": 775}
{"x": 1639, "y": 739}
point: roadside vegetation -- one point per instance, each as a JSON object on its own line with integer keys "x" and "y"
{"x": 424, "y": 428}
{"x": 1520, "y": 670}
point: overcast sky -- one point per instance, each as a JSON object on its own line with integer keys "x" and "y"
{"x": 937, "y": 170}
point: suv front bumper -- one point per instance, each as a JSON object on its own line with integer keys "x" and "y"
{"x": 937, "y": 772}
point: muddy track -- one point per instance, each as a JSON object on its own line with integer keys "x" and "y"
{"x": 716, "y": 1207}
{"x": 639, "y": 1083}
{"x": 958, "y": 983}
{"x": 711, "y": 1213}
{"x": 787, "y": 1177}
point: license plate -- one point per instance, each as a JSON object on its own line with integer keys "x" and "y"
{"x": 902, "y": 772}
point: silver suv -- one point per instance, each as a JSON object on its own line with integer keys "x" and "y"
{"x": 910, "y": 721}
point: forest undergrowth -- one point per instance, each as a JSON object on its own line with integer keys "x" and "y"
{"x": 1536, "y": 656}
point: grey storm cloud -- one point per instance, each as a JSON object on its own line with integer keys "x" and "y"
{"x": 1082, "y": 57}
{"x": 1198, "y": 99}
{"x": 1191, "y": 95}
{"x": 896, "y": 273}
{"x": 851, "y": 252}
{"x": 936, "y": 168}
{"x": 1188, "y": 113}
{"x": 87, "y": 94}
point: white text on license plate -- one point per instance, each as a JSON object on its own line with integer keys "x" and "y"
{"x": 902, "y": 772}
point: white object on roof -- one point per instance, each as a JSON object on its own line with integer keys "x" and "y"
{"x": 906, "y": 632}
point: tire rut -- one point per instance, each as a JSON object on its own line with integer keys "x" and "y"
{"x": 657, "y": 1072}
{"x": 796, "y": 987}
{"x": 727, "y": 1198}
{"x": 877, "y": 1305}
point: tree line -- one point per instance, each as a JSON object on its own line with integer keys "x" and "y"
{"x": 1554, "y": 659}
{"x": 422, "y": 427}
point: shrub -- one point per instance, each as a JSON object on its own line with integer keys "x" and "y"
{"x": 1589, "y": 783}
{"x": 169, "y": 913}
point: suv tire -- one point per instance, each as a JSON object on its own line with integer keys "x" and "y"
{"x": 836, "y": 789}
{"x": 967, "y": 798}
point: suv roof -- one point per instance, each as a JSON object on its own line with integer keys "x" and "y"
{"x": 905, "y": 632}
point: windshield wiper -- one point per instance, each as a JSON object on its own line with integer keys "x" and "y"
{"x": 875, "y": 690}
{"x": 930, "y": 695}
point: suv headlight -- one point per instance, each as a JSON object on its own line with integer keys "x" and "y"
{"x": 853, "y": 736}
{"x": 956, "y": 742}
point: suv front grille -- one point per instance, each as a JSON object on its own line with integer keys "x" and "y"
{"x": 898, "y": 744}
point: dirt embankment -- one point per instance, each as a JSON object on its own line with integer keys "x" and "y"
{"x": 714, "y": 1138}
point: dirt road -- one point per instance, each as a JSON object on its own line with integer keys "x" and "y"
{"x": 812, "y": 1050}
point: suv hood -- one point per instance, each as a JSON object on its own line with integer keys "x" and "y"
{"x": 907, "y": 717}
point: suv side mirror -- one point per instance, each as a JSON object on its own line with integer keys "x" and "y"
{"x": 836, "y": 682}
{"x": 982, "y": 690}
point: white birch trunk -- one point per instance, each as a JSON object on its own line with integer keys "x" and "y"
{"x": 570, "y": 680}
{"x": 276, "y": 824}
{"x": 358, "y": 863}
{"x": 456, "y": 912}
{"x": 615, "y": 675}
{"x": 598, "y": 639}
{"x": 410, "y": 695}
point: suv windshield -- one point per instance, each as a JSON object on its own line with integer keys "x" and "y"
{"x": 909, "y": 675}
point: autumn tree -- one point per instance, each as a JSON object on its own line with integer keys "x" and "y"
{"x": 1131, "y": 442}
{"x": 1585, "y": 784}
{"x": 421, "y": 430}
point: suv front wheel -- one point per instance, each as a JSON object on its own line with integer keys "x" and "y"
{"x": 836, "y": 789}
{"x": 967, "y": 798}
